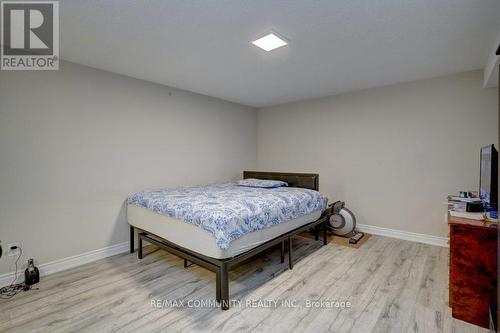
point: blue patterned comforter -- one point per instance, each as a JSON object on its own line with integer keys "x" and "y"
{"x": 228, "y": 211}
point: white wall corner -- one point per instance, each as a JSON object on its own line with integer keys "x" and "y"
{"x": 490, "y": 79}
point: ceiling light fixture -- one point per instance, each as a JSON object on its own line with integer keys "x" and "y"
{"x": 269, "y": 42}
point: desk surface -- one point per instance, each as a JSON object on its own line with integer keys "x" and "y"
{"x": 471, "y": 223}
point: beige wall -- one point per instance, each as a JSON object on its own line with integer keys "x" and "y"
{"x": 392, "y": 153}
{"x": 75, "y": 142}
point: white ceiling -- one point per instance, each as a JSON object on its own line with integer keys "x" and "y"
{"x": 335, "y": 46}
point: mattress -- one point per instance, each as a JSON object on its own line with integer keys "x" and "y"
{"x": 199, "y": 240}
{"x": 229, "y": 211}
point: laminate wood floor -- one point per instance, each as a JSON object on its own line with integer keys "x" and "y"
{"x": 392, "y": 286}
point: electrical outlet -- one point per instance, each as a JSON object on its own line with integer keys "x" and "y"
{"x": 13, "y": 252}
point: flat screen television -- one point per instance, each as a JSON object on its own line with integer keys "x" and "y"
{"x": 488, "y": 190}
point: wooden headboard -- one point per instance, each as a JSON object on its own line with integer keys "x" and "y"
{"x": 303, "y": 180}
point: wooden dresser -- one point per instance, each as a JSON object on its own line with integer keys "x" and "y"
{"x": 473, "y": 269}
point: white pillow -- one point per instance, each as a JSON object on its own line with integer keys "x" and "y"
{"x": 262, "y": 183}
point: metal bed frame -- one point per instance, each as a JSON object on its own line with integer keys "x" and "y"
{"x": 221, "y": 267}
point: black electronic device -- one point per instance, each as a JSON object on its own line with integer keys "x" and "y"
{"x": 31, "y": 274}
{"x": 488, "y": 180}
{"x": 474, "y": 207}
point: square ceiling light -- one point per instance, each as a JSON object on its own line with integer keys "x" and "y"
{"x": 269, "y": 42}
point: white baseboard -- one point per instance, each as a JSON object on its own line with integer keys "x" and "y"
{"x": 91, "y": 256}
{"x": 406, "y": 235}
{"x": 69, "y": 262}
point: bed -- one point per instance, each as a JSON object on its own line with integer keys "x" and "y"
{"x": 219, "y": 226}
